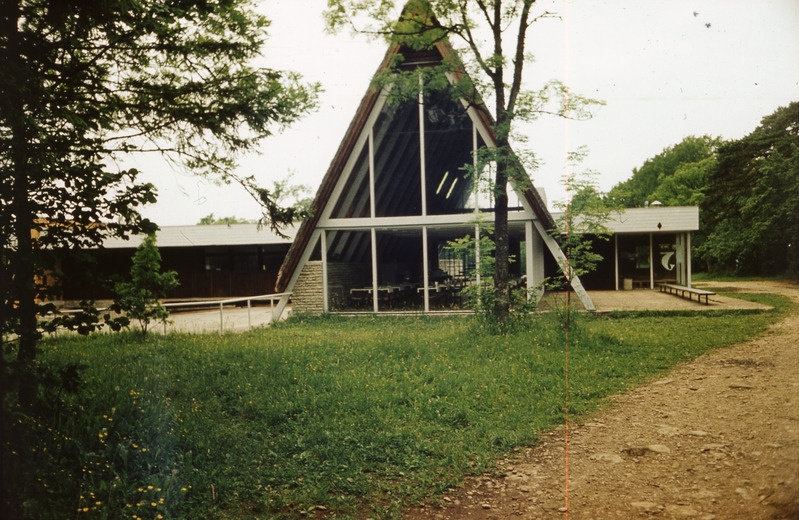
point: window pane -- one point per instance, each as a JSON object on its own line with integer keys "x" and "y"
{"x": 397, "y": 166}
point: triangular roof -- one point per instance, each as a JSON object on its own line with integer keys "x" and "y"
{"x": 442, "y": 50}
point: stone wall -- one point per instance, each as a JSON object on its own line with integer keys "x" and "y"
{"x": 307, "y": 296}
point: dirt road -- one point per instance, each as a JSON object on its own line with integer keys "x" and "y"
{"x": 717, "y": 438}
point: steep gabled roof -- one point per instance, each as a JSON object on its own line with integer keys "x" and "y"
{"x": 442, "y": 50}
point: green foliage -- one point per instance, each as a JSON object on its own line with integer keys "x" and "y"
{"x": 478, "y": 294}
{"x": 327, "y": 411}
{"x": 84, "y": 85}
{"x": 139, "y": 298}
{"x": 582, "y": 219}
{"x": 687, "y": 185}
{"x": 285, "y": 203}
{"x": 752, "y": 200}
{"x": 211, "y": 220}
{"x": 675, "y": 177}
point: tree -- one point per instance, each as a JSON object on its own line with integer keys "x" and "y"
{"x": 86, "y": 83}
{"x": 752, "y": 200}
{"x": 479, "y": 26}
{"x": 290, "y": 203}
{"x": 676, "y": 176}
{"x": 582, "y": 220}
{"x": 140, "y": 297}
{"x": 211, "y": 220}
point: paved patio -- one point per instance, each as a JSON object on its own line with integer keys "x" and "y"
{"x": 654, "y": 300}
{"x": 232, "y": 319}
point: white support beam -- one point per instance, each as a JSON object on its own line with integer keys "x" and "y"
{"x": 373, "y": 235}
{"x": 574, "y": 281}
{"x": 616, "y": 258}
{"x": 325, "y": 285}
{"x": 422, "y": 152}
{"x": 425, "y": 270}
{"x": 477, "y": 257}
{"x": 353, "y": 158}
{"x": 534, "y": 263}
{"x": 688, "y": 258}
{"x": 651, "y": 262}
{"x": 372, "y": 211}
{"x": 416, "y": 221}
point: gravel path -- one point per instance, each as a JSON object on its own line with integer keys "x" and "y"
{"x": 717, "y": 438}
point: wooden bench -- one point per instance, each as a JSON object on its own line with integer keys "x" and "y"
{"x": 686, "y": 292}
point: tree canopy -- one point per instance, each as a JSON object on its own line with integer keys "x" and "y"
{"x": 747, "y": 191}
{"x": 85, "y": 84}
{"x": 212, "y": 220}
{"x": 752, "y": 200}
{"x": 675, "y": 177}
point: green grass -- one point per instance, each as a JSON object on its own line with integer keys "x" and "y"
{"x": 363, "y": 416}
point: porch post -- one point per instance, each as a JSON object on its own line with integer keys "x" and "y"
{"x": 374, "y": 269}
{"x": 425, "y": 270}
{"x": 372, "y": 211}
{"x": 688, "y": 258}
{"x": 616, "y": 258}
{"x": 477, "y": 256}
{"x": 528, "y": 253}
{"x": 651, "y": 263}
{"x": 325, "y": 298}
{"x": 422, "y": 152}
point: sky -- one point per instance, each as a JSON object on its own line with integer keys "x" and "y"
{"x": 665, "y": 69}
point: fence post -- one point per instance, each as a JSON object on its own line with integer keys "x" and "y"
{"x": 249, "y": 315}
{"x": 221, "y": 319}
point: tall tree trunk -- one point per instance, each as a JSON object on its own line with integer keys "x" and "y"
{"x": 23, "y": 293}
{"x": 501, "y": 240}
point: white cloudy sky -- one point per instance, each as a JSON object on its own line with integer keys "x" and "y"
{"x": 666, "y": 69}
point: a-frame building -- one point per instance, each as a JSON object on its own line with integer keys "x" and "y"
{"x": 401, "y": 188}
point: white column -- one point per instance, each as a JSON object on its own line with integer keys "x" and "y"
{"x": 475, "y": 178}
{"x": 688, "y": 258}
{"x": 325, "y": 287}
{"x": 651, "y": 263}
{"x": 425, "y": 270}
{"x": 374, "y": 269}
{"x": 422, "y": 153}
{"x": 477, "y": 256}
{"x": 372, "y": 211}
{"x": 528, "y": 253}
{"x": 616, "y": 258}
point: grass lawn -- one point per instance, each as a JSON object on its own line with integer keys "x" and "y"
{"x": 349, "y": 416}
